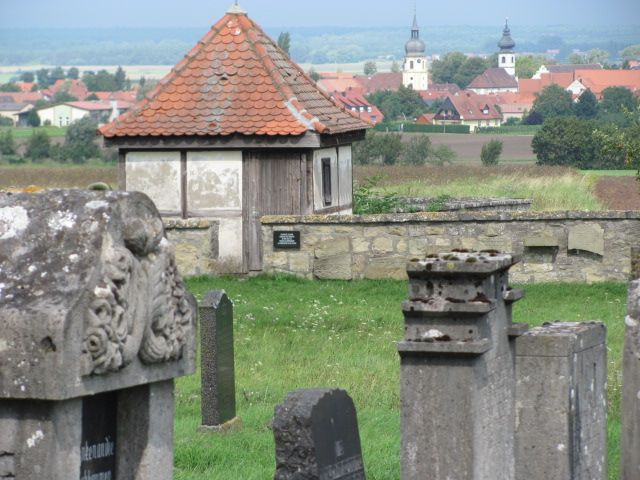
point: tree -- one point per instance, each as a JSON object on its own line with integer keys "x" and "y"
{"x": 417, "y": 150}
{"x": 63, "y": 96}
{"x": 370, "y": 68}
{"x": 102, "y": 81}
{"x": 7, "y": 143}
{"x": 386, "y": 147}
{"x": 57, "y": 74}
{"x": 38, "y": 146}
{"x": 456, "y": 68}
{"x": 404, "y": 104}
{"x": 533, "y": 118}
{"x": 442, "y": 154}
{"x": 528, "y": 65}
{"x": 617, "y": 100}
{"x": 490, "y": 153}
{"x": 79, "y": 141}
{"x": 9, "y": 87}
{"x": 587, "y": 105}
{"x": 553, "y": 101}
{"x": 284, "y": 42}
{"x": 33, "y": 119}
{"x": 395, "y": 67}
{"x": 470, "y": 69}
{"x": 44, "y": 80}
{"x": 73, "y": 73}
{"x": 576, "y": 59}
{"x": 315, "y": 76}
{"x": 120, "y": 78}
{"x": 631, "y": 52}
{"x": 625, "y": 142}
{"x": 597, "y": 55}
{"x": 27, "y": 77}
{"x": 571, "y": 141}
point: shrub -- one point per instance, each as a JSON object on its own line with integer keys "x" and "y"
{"x": 79, "y": 141}
{"x": 7, "y": 144}
{"x": 6, "y": 122}
{"x": 14, "y": 159}
{"x": 442, "y": 154}
{"x": 491, "y": 151}
{"x": 365, "y": 201}
{"x": 38, "y": 146}
{"x": 416, "y": 151}
{"x": 374, "y": 147}
{"x": 33, "y": 119}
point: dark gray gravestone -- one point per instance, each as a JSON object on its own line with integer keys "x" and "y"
{"x": 98, "y": 441}
{"x": 317, "y": 438}
{"x": 218, "y": 380}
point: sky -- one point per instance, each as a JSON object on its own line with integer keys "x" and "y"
{"x": 304, "y": 13}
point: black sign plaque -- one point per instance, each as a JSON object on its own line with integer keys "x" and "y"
{"x": 98, "y": 444}
{"x": 286, "y": 240}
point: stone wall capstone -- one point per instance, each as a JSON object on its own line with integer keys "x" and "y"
{"x": 554, "y": 246}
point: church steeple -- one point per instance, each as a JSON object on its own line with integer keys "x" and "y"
{"x": 415, "y": 72}
{"x": 506, "y": 57}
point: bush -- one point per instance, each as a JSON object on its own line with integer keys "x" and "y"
{"x": 14, "y": 159}
{"x": 33, "y": 119}
{"x": 79, "y": 141}
{"x": 491, "y": 151}
{"x": 6, "y": 122}
{"x": 375, "y": 147}
{"x": 417, "y": 151}
{"x": 365, "y": 201}
{"x": 38, "y": 146}
{"x": 571, "y": 142}
{"x": 7, "y": 144}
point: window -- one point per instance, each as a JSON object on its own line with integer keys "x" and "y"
{"x": 326, "y": 181}
{"x": 411, "y": 64}
{"x": 504, "y": 59}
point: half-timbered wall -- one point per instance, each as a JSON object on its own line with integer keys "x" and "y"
{"x": 339, "y": 159}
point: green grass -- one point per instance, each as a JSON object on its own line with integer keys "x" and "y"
{"x": 292, "y": 334}
{"x": 510, "y": 130}
{"x": 610, "y": 173}
{"x": 26, "y": 132}
{"x": 565, "y": 191}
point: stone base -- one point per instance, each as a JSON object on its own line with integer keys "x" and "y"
{"x": 232, "y": 425}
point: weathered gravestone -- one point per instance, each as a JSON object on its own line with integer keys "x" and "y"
{"x": 217, "y": 363}
{"x": 317, "y": 438}
{"x": 561, "y": 397}
{"x": 630, "y": 445}
{"x": 95, "y": 322}
{"x": 457, "y": 368}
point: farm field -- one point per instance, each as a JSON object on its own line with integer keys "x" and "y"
{"x": 292, "y": 334}
{"x": 24, "y": 132}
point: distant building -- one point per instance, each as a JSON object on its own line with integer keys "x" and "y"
{"x": 12, "y": 110}
{"x": 598, "y": 80}
{"x": 570, "y": 68}
{"x": 501, "y": 79}
{"x": 380, "y": 82}
{"x": 438, "y": 91}
{"x": 415, "y": 72}
{"x": 426, "y": 119}
{"x": 75, "y": 88}
{"x": 64, "y": 114}
{"x": 468, "y": 108}
{"x": 355, "y": 102}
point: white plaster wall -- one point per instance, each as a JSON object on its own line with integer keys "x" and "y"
{"x": 230, "y": 244}
{"x": 158, "y": 175}
{"x": 214, "y": 181}
{"x": 345, "y": 175}
{"x": 318, "y": 199}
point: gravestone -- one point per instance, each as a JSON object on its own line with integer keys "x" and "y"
{"x": 561, "y": 428}
{"x": 217, "y": 363}
{"x": 457, "y": 368}
{"x": 630, "y": 442}
{"x": 316, "y": 436}
{"x": 95, "y": 323}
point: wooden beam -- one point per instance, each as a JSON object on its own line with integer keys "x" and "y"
{"x": 122, "y": 170}
{"x": 183, "y": 183}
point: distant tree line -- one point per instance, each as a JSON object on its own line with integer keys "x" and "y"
{"x": 389, "y": 149}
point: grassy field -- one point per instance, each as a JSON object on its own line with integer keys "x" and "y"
{"x": 57, "y": 175}
{"x": 292, "y": 334}
{"x": 25, "y": 132}
{"x": 610, "y": 173}
{"x": 549, "y": 188}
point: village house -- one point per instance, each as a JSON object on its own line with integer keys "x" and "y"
{"x": 503, "y": 78}
{"x": 468, "y": 108}
{"x": 236, "y": 131}
{"x": 76, "y": 88}
{"x": 12, "y": 110}
{"x": 568, "y": 68}
{"x": 64, "y": 114}
{"x": 356, "y": 102}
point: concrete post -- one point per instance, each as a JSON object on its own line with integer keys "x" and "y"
{"x": 630, "y": 444}
{"x": 561, "y": 411}
{"x": 457, "y": 368}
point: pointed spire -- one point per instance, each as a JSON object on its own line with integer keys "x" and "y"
{"x": 236, "y": 9}
{"x": 506, "y": 43}
{"x": 415, "y": 16}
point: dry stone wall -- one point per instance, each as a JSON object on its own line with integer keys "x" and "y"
{"x": 555, "y": 246}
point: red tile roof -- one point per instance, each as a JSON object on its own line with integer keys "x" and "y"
{"x": 355, "y": 101}
{"x": 99, "y": 105}
{"x": 119, "y": 95}
{"x": 26, "y": 97}
{"x": 25, "y": 86}
{"x": 598, "y": 80}
{"x": 469, "y": 106}
{"x": 75, "y": 88}
{"x": 234, "y": 81}
{"x": 380, "y": 81}
{"x": 494, "y": 78}
{"x": 426, "y": 118}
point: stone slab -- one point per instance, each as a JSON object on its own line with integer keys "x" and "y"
{"x": 630, "y": 438}
{"x": 587, "y": 237}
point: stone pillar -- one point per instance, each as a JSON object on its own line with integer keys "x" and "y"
{"x": 457, "y": 368}
{"x": 96, "y": 324}
{"x": 561, "y": 402}
{"x": 217, "y": 363}
{"x": 635, "y": 262}
{"x": 630, "y": 444}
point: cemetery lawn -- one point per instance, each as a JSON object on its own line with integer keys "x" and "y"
{"x": 292, "y": 333}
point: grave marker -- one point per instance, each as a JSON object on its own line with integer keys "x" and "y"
{"x": 95, "y": 324}
{"x": 317, "y": 438}
{"x": 217, "y": 363}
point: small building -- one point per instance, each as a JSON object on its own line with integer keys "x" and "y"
{"x": 468, "y": 108}
{"x": 564, "y": 68}
{"x": 236, "y": 131}
{"x": 356, "y": 102}
{"x": 380, "y": 82}
{"x": 64, "y": 114}
{"x": 426, "y": 119}
{"x": 13, "y": 110}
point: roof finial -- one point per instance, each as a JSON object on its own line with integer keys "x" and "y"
{"x": 236, "y": 9}
{"x": 415, "y": 15}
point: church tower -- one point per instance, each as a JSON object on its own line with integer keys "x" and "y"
{"x": 415, "y": 72}
{"x": 506, "y": 57}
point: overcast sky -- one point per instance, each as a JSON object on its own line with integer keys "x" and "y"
{"x": 304, "y": 13}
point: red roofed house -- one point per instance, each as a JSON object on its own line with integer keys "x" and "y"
{"x": 355, "y": 101}
{"x": 75, "y": 88}
{"x": 598, "y": 80}
{"x": 338, "y": 82}
{"x": 236, "y": 131}
{"x": 380, "y": 81}
{"x": 468, "y": 108}
{"x": 63, "y": 114}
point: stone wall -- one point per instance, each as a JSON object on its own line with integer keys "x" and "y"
{"x": 555, "y": 246}
{"x": 196, "y": 245}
